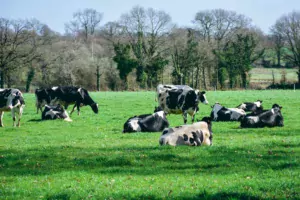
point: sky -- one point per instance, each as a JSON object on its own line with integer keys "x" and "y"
{"x": 55, "y": 13}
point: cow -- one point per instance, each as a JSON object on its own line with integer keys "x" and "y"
{"x": 196, "y": 134}
{"x": 270, "y": 118}
{"x": 146, "y": 123}
{"x": 55, "y": 112}
{"x": 255, "y": 107}
{"x": 180, "y": 99}
{"x": 65, "y": 95}
{"x": 261, "y": 110}
{"x": 11, "y": 100}
{"x": 220, "y": 113}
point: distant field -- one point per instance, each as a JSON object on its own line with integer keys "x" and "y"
{"x": 265, "y": 75}
{"x": 90, "y": 158}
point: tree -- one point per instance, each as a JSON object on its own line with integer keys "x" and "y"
{"x": 288, "y": 26}
{"x": 278, "y": 43}
{"x": 125, "y": 64}
{"x": 146, "y": 30}
{"x": 19, "y": 40}
{"x": 238, "y": 56}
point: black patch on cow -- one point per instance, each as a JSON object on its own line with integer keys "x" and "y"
{"x": 192, "y": 141}
{"x": 172, "y": 100}
{"x": 185, "y": 137}
{"x": 165, "y": 132}
{"x": 3, "y": 97}
{"x": 201, "y": 96}
{"x": 198, "y": 137}
{"x": 191, "y": 100}
{"x": 178, "y": 126}
{"x": 159, "y": 95}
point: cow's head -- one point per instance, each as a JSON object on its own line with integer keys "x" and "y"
{"x": 202, "y": 97}
{"x": 157, "y": 109}
{"x": 258, "y": 103}
{"x": 276, "y": 109}
{"x": 94, "y": 107}
{"x": 131, "y": 125}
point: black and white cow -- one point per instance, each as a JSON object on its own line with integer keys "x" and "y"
{"x": 180, "y": 99}
{"x": 196, "y": 134}
{"x": 55, "y": 112}
{"x": 220, "y": 113}
{"x": 66, "y": 95}
{"x": 255, "y": 107}
{"x": 146, "y": 123}
{"x": 270, "y": 118}
{"x": 11, "y": 100}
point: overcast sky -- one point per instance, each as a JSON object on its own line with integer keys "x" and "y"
{"x": 55, "y": 13}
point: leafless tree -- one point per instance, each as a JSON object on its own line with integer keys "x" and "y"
{"x": 288, "y": 26}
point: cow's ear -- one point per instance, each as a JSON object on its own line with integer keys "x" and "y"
{"x": 280, "y": 107}
{"x": 203, "y": 92}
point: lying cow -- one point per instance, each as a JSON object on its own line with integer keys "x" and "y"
{"x": 146, "y": 123}
{"x": 196, "y": 134}
{"x": 270, "y": 118}
{"x": 65, "y": 96}
{"x": 255, "y": 107}
{"x": 220, "y": 113}
{"x": 11, "y": 100}
{"x": 55, "y": 112}
{"x": 180, "y": 99}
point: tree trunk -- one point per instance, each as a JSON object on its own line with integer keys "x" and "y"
{"x": 278, "y": 58}
{"x": 30, "y": 76}
{"x": 98, "y": 77}
{"x": 204, "y": 79}
{"x": 1, "y": 79}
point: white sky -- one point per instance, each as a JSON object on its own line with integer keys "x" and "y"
{"x": 55, "y": 13}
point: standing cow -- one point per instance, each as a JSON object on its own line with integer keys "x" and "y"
{"x": 180, "y": 99}
{"x": 66, "y": 95}
{"x": 11, "y": 100}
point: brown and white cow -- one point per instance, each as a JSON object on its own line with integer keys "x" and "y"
{"x": 11, "y": 100}
{"x": 179, "y": 99}
{"x": 196, "y": 134}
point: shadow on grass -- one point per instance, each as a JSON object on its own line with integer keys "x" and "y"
{"x": 139, "y": 160}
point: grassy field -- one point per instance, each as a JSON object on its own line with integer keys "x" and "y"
{"x": 90, "y": 158}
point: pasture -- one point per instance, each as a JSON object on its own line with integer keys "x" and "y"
{"x": 90, "y": 158}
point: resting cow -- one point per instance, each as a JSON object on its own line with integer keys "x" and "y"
{"x": 254, "y": 107}
{"x": 196, "y": 134}
{"x": 65, "y": 96}
{"x": 180, "y": 99}
{"x": 11, "y": 100}
{"x": 55, "y": 112}
{"x": 220, "y": 113}
{"x": 146, "y": 123}
{"x": 270, "y": 118}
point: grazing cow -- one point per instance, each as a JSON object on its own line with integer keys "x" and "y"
{"x": 11, "y": 100}
{"x": 220, "y": 113}
{"x": 196, "y": 134}
{"x": 65, "y": 96}
{"x": 55, "y": 112}
{"x": 253, "y": 107}
{"x": 270, "y": 118}
{"x": 146, "y": 123}
{"x": 180, "y": 99}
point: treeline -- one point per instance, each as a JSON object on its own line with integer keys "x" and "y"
{"x": 144, "y": 48}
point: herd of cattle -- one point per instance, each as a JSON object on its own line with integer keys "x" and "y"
{"x": 172, "y": 99}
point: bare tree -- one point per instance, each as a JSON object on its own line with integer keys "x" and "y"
{"x": 289, "y": 27}
{"x": 278, "y": 43}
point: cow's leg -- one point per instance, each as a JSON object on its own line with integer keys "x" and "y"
{"x": 13, "y": 114}
{"x": 20, "y": 112}
{"x": 184, "y": 114}
{"x": 1, "y": 117}
{"x": 72, "y": 110}
{"x": 78, "y": 108}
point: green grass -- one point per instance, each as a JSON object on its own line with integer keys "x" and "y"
{"x": 90, "y": 158}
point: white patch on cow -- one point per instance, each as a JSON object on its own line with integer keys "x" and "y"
{"x": 68, "y": 119}
{"x": 216, "y": 109}
{"x": 242, "y": 106}
{"x": 134, "y": 124}
{"x": 160, "y": 114}
{"x": 254, "y": 118}
{"x": 257, "y": 103}
{"x": 205, "y": 100}
{"x": 54, "y": 88}
{"x": 79, "y": 89}
{"x": 1, "y": 90}
{"x": 52, "y": 113}
{"x": 238, "y": 110}
{"x": 272, "y": 110}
